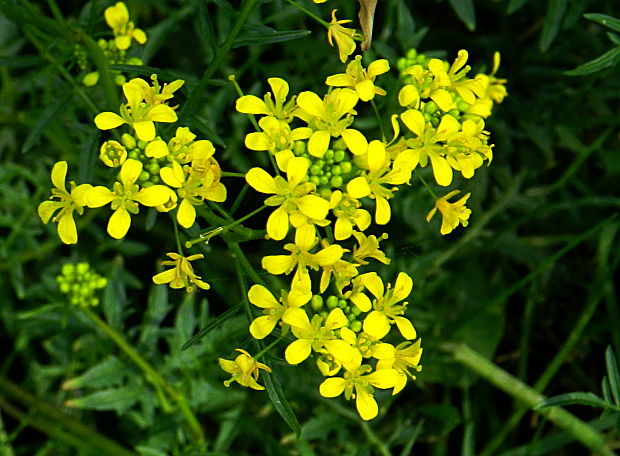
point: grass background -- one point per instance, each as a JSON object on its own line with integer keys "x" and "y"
{"x": 530, "y": 284}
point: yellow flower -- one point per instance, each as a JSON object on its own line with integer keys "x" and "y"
{"x": 328, "y": 118}
{"x": 125, "y": 196}
{"x": 136, "y": 112}
{"x": 342, "y": 35}
{"x": 403, "y": 357}
{"x": 368, "y": 247}
{"x": 317, "y": 335}
{"x": 289, "y": 195}
{"x": 182, "y": 274}
{"x": 278, "y": 107}
{"x": 453, "y": 213}
{"x": 456, "y": 77}
{"x": 244, "y": 370}
{"x": 379, "y": 173}
{"x": 359, "y": 79}
{"x": 386, "y": 311}
{"x": 112, "y": 153}
{"x": 277, "y": 138}
{"x": 358, "y": 384}
{"x": 274, "y": 309}
{"x": 68, "y": 201}
{"x": 347, "y": 211}
{"x": 117, "y": 18}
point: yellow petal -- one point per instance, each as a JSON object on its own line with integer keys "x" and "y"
{"x": 443, "y": 99}
{"x": 250, "y": 104}
{"x": 98, "y": 196}
{"x": 59, "y": 174}
{"x": 186, "y": 214}
{"x": 173, "y": 175}
{"x": 166, "y": 276}
{"x": 403, "y": 286}
{"x": 383, "y": 213}
{"x": 358, "y": 187}
{"x": 366, "y": 405}
{"x": 328, "y": 255}
{"x": 319, "y": 143}
{"x": 262, "y": 297}
{"x": 382, "y": 378}
{"x": 332, "y": 387}
{"x": 145, "y": 130}
{"x": 108, "y": 120}
{"x": 414, "y": 120}
{"x": 296, "y": 170}
{"x": 130, "y": 171}
{"x": 46, "y": 209}
{"x": 262, "y": 326}
{"x": 409, "y": 95}
{"x": 355, "y": 141}
{"x": 139, "y": 35}
{"x": 311, "y": 103}
{"x": 67, "y": 230}
{"x": 162, "y": 113}
{"x": 116, "y": 15}
{"x": 378, "y": 67}
{"x": 441, "y": 170}
{"x": 297, "y": 318}
{"x": 376, "y": 324}
{"x": 261, "y": 181}
{"x": 119, "y": 223}
{"x": 340, "y": 80}
{"x": 365, "y": 90}
{"x": 277, "y": 264}
{"x": 298, "y": 351}
{"x": 123, "y": 42}
{"x": 156, "y": 149}
{"x": 405, "y": 327}
{"x": 277, "y": 224}
{"x": 279, "y": 87}
{"x": 377, "y": 156}
{"x": 258, "y": 141}
{"x": 313, "y": 206}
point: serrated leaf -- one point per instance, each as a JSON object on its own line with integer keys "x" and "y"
{"x": 274, "y": 390}
{"x": 50, "y": 113}
{"x": 612, "y": 375}
{"x": 606, "y": 60}
{"x": 256, "y": 39}
{"x": 117, "y": 399}
{"x": 578, "y": 398}
{"x": 605, "y": 20}
{"x": 108, "y": 373}
{"x": 211, "y": 326}
{"x": 553, "y": 22}
{"x": 464, "y": 9}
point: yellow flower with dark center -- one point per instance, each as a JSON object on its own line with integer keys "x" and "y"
{"x": 182, "y": 275}
{"x": 244, "y": 370}
{"x": 68, "y": 201}
{"x": 453, "y": 213}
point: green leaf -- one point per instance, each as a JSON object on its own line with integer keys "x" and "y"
{"x": 612, "y": 375}
{"x": 256, "y": 39}
{"x": 515, "y": 5}
{"x": 48, "y": 115}
{"x": 211, "y": 326}
{"x": 553, "y": 22}
{"x": 603, "y": 19}
{"x": 614, "y": 38}
{"x": 274, "y": 390}
{"x": 606, "y": 60}
{"x": 108, "y": 373}
{"x": 117, "y": 399}
{"x": 185, "y": 319}
{"x": 464, "y": 9}
{"x": 578, "y": 398}
{"x": 143, "y": 70}
{"x": 114, "y": 299}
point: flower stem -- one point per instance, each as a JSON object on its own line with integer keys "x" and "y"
{"x": 376, "y": 110}
{"x": 428, "y": 187}
{"x": 151, "y": 375}
{"x": 204, "y": 237}
{"x": 312, "y": 15}
{"x": 511, "y": 385}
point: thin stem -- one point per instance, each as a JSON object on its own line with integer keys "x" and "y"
{"x": 150, "y": 374}
{"x": 376, "y": 110}
{"x": 176, "y": 235}
{"x": 428, "y": 187}
{"x": 229, "y": 174}
{"x": 205, "y": 237}
{"x": 252, "y": 117}
{"x": 511, "y": 385}
{"x": 312, "y": 15}
{"x": 269, "y": 347}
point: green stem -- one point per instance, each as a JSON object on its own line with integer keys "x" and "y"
{"x": 312, "y": 15}
{"x": 205, "y": 237}
{"x": 229, "y": 174}
{"x": 511, "y": 385}
{"x": 222, "y": 51}
{"x": 252, "y": 117}
{"x": 150, "y": 374}
{"x": 176, "y": 235}
{"x": 428, "y": 187}
{"x": 376, "y": 110}
{"x": 48, "y": 418}
{"x": 269, "y": 347}
{"x": 5, "y": 444}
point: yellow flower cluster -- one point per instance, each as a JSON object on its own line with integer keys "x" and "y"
{"x": 179, "y": 173}
{"x": 115, "y": 49}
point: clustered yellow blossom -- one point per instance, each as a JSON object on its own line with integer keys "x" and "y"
{"x": 354, "y": 326}
{"x": 115, "y": 49}
{"x": 178, "y": 174}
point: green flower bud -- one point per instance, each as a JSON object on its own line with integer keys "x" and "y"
{"x": 339, "y": 155}
{"x": 316, "y": 170}
{"x": 336, "y": 181}
{"x": 317, "y": 302}
{"x": 342, "y": 303}
{"x": 299, "y": 148}
{"x": 129, "y": 141}
{"x": 346, "y": 167}
{"x": 144, "y": 176}
{"x": 339, "y": 144}
{"x": 332, "y": 302}
{"x": 142, "y": 144}
{"x": 323, "y": 180}
{"x": 315, "y": 180}
{"x": 336, "y": 170}
{"x": 356, "y": 326}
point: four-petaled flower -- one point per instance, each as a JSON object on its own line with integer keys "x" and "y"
{"x": 68, "y": 201}
{"x": 342, "y": 35}
{"x": 453, "y": 213}
{"x": 182, "y": 275}
{"x": 244, "y": 370}
{"x": 117, "y": 17}
{"x": 359, "y": 79}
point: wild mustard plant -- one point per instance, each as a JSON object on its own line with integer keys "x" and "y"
{"x": 327, "y": 178}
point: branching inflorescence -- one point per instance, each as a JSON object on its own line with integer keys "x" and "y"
{"x": 330, "y": 186}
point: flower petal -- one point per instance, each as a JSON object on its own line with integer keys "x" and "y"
{"x": 261, "y": 181}
{"x": 262, "y": 326}
{"x": 119, "y": 223}
{"x": 108, "y": 120}
{"x": 332, "y": 387}
{"x": 298, "y": 351}
{"x": 250, "y": 104}
{"x": 376, "y": 324}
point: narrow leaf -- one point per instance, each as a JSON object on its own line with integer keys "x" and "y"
{"x": 255, "y": 39}
{"x": 117, "y": 399}
{"x": 274, "y": 389}
{"x": 579, "y": 398}
{"x": 465, "y": 11}
{"x": 612, "y": 375}
{"x": 50, "y": 113}
{"x": 553, "y": 22}
{"x": 515, "y": 5}
{"x": 603, "y": 19}
{"x": 106, "y": 374}
{"x": 606, "y": 60}
{"x": 211, "y": 326}
{"x": 614, "y": 38}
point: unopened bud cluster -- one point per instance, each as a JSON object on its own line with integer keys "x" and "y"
{"x": 80, "y": 283}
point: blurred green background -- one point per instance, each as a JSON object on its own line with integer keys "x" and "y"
{"x": 529, "y": 284}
